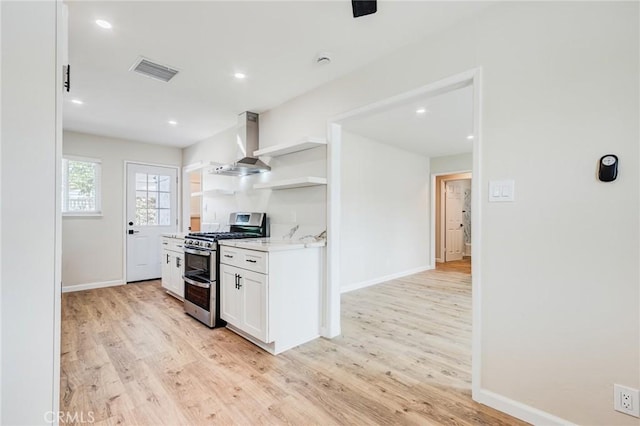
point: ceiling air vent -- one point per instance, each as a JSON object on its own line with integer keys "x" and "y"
{"x": 153, "y": 70}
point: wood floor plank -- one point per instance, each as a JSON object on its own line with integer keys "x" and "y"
{"x": 132, "y": 357}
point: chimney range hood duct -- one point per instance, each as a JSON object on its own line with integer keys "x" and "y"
{"x": 247, "y": 140}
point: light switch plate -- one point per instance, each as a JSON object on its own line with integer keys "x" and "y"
{"x": 501, "y": 190}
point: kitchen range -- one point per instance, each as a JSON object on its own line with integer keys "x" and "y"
{"x": 202, "y": 265}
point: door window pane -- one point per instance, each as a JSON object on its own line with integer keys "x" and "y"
{"x": 141, "y": 217}
{"x": 141, "y": 181}
{"x": 164, "y": 183}
{"x": 165, "y": 200}
{"x": 152, "y": 215}
{"x": 152, "y": 183}
{"x": 164, "y": 217}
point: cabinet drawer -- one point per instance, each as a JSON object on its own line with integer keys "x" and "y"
{"x": 230, "y": 256}
{"x": 248, "y": 259}
{"x": 173, "y": 244}
{"x": 254, "y": 261}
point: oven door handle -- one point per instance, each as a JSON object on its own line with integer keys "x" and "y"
{"x": 197, "y": 252}
{"x": 196, "y": 283}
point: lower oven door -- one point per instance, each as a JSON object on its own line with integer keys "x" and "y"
{"x": 198, "y": 291}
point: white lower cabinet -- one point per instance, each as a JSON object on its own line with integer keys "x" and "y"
{"x": 271, "y": 298}
{"x": 244, "y": 300}
{"x": 173, "y": 266}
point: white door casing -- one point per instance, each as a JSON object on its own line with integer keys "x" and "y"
{"x": 454, "y": 237}
{"x": 151, "y": 210}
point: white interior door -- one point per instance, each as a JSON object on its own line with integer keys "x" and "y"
{"x": 151, "y": 211}
{"x": 454, "y": 236}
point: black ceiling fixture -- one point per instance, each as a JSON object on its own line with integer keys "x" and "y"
{"x": 364, "y": 7}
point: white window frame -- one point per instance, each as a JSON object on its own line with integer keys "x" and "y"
{"x": 98, "y": 187}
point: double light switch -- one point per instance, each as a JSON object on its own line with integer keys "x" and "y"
{"x": 501, "y": 190}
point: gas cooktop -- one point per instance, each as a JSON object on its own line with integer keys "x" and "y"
{"x": 214, "y": 236}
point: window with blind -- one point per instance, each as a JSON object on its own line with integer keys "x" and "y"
{"x": 81, "y": 178}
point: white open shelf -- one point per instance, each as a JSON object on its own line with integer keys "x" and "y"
{"x": 301, "y": 182}
{"x": 216, "y": 191}
{"x": 200, "y": 165}
{"x": 283, "y": 149}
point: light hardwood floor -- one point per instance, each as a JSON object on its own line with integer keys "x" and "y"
{"x": 131, "y": 356}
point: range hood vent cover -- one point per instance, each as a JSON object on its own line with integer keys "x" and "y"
{"x": 247, "y": 141}
{"x": 153, "y": 70}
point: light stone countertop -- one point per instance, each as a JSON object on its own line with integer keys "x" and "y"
{"x": 272, "y": 244}
{"x": 179, "y": 235}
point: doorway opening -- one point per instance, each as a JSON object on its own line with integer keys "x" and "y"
{"x": 452, "y": 202}
{"x": 341, "y": 164}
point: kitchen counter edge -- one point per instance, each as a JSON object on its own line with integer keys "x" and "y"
{"x": 269, "y": 245}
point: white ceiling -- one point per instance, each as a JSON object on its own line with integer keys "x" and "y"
{"x": 274, "y": 42}
{"x": 442, "y": 130}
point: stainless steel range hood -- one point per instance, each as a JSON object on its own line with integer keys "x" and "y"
{"x": 247, "y": 140}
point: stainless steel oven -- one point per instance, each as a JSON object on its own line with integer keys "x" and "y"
{"x": 201, "y": 265}
{"x": 199, "y": 277}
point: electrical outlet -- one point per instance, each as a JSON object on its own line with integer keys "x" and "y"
{"x": 626, "y": 400}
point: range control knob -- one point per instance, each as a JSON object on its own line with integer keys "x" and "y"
{"x": 208, "y": 244}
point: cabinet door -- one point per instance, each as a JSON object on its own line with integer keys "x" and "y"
{"x": 167, "y": 269}
{"x": 230, "y": 295}
{"x": 177, "y": 283}
{"x": 254, "y": 304}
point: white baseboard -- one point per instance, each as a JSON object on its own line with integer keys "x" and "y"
{"x": 439, "y": 260}
{"x": 89, "y": 286}
{"x": 518, "y": 409}
{"x": 374, "y": 281}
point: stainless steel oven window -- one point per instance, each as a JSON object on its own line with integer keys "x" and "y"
{"x": 199, "y": 263}
{"x": 198, "y": 293}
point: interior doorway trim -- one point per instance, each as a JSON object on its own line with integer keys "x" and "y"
{"x": 124, "y": 206}
{"x": 434, "y": 178}
{"x": 331, "y": 326}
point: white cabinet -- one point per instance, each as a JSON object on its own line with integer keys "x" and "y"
{"x": 271, "y": 298}
{"x": 173, "y": 266}
{"x": 244, "y": 300}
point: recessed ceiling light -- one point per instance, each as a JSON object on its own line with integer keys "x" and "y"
{"x": 239, "y": 75}
{"x": 104, "y": 24}
{"x": 470, "y": 137}
{"x": 421, "y": 110}
{"x": 173, "y": 122}
{"x": 77, "y": 101}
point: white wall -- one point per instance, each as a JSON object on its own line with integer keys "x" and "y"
{"x": 561, "y": 79}
{"x": 28, "y": 210}
{"x": 385, "y": 212}
{"x": 305, "y": 207}
{"x": 92, "y": 247}
{"x": 452, "y": 163}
